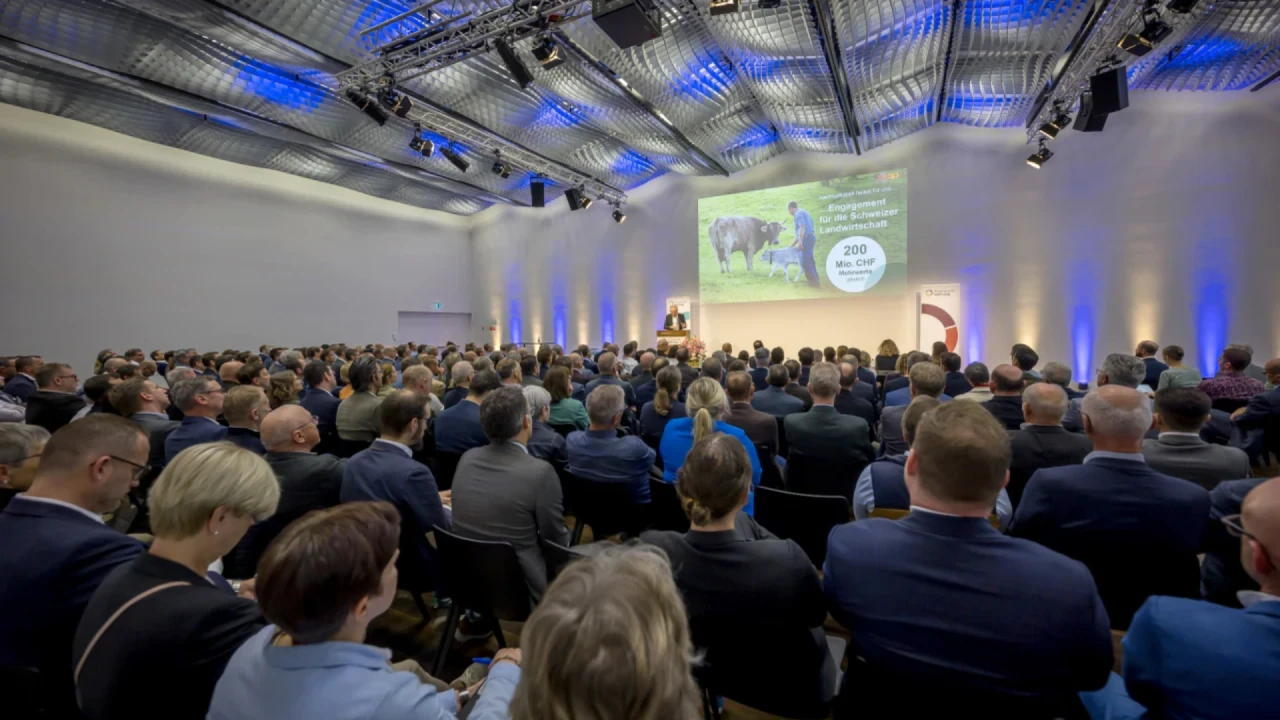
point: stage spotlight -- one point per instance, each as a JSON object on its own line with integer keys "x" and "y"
{"x": 517, "y": 69}
{"x": 1053, "y": 127}
{"x": 421, "y": 144}
{"x": 548, "y": 54}
{"x": 618, "y": 216}
{"x": 453, "y": 157}
{"x": 1141, "y": 43}
{"x": 586, "y": 201}
{"x": 396, "y": 103}
{"x": 724, "y": 7}
{"x": 1181, "y": 6}
{"x": 1040, "y": 157}
{"x": 770, "y": 4}
{"x": 538, "y": 192}
{"x": 498, "y": 167}
{"x": 367, "y": 106}
{"x": 574, "y": 197}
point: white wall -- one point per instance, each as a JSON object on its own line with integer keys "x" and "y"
{"x": 1164, "y": 227}
{"x": 110, "y": 241}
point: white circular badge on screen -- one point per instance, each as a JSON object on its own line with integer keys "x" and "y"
{"x": 855, "y": 264}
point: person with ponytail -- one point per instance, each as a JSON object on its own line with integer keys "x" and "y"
{"x": 664, "y": 407}
{"x": 705, "y": 404}
{"x": 708, "y": 562}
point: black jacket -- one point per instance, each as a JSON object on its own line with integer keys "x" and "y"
{"x": 957, "y": 384}
{"x": 51, "y": 410}
{"x": 849, "y": 404}
{"x": 1007, "y": 409}
{"x": 1042, "y": 446}
{"x": 795, "y": 390}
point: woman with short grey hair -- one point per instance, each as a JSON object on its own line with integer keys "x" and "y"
{"x": 544, "y": 443}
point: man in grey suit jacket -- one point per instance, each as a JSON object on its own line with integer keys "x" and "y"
{"x": 500, "y": 492}
{"x": 1180, "y": 452}
{"x": 823, "y": 432}
{"x": 926, "y": 379}
{"x": 143, "y": 402}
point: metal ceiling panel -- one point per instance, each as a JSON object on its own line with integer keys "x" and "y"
{"x": 1234, "y": 46}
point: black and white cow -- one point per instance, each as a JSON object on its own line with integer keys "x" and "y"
{"x": 743, "y": 234}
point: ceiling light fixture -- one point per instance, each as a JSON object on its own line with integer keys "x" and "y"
{"x": 586, "y": 201}
{"x": 452, "y": 156}
{"x": 1181, "y": 6}
{"x": 1041, "y": 157}
{"x": 724, "y": 7}
{"x": 367, "y": 106}
{"x": 1153, "y": 31}
{"x": 1051, "y": 128}
{"x": 618, "y": 216}
{"x": 547, "y": 52}
{"x": 396, "y": 102}
{"x": 518, "y": 71}
{"x": 770, "y": 4}
{"x": 421, "y": 144}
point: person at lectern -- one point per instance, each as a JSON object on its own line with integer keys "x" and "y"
{"x": 675, "y": 321}
{"x": 805, "y": 240}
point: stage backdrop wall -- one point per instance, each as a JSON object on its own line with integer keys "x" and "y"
{"x": 110, "y": 240}
{"x": 1162, "y": 227}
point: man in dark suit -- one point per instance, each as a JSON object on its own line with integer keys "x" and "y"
{"x": 1263, "y": 408}
{"x": 1137, "y": 530}
{"x": 1042, "y": 442}
{"x": 609, "y": 367}
{"x": 643, "y": 373}
{"x": 852, "y": 400}
{"x": 1007, "y": 383}
{"x": 142, "y": 402}
{"x": 775, "y": 400}
{"x": 687, "y": 373}
{"x": 544, "y": 443}
{"x": 458, "y": 428}
{"x": 806, "y": 366}
{"x": 307, "y": 481}
{"x": 200, "y": 398}
{"x": 55, "y": 404}
{"x": 1180, "y": 413}
{"x": 823, "y": 432}
{"x": 915, "y": 593}
{"x": 23, "y": 382}
{"x": 927, "y": 380}
{"x": 529, "y": 371}
{"x": 794, "y": 389}
{"x": 244, "y": 410}
{"x": 1148, "y": 350}
{"x": 675, "y": 320}
{"x": 957, "y": 384}
{"x": 1117, "y": 369}
{"x": 319, "y": 399}
{"x": 387, "y": 471}
{"x": 761, "y": 427}
{"x": 646, "y": 392}
{"x": 760, "y": 373}
{"x": 504, "y": 494}
{"x": 1190, "y": 659}
{"x": 1060, "y": 375}
{"x": 57, "y": 549}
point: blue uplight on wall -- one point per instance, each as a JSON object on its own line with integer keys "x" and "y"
{"x": 1083, "y": 283}
{"x": 513, "y": 320}
{"x": 606, "y": 321}
{"x": 975, "y": 283}
{"x": 558, "y": 323}
{"x": 1212, "y": 317}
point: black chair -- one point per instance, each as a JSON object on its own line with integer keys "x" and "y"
{"x": 557, "y": 557}
{"x": 446, "y": 465}
{"x": 570, "y": 489}
{"x": 23, "y": 691}
{"x": 654, "y": 441}
{"x": 1229, "y": 405}
{"x": 820, "y": 476}
{"x": 482, "y": 576}
{"x": 783, "y": 448}
{"x": 242, "y": 561}
{"x": 608, "y": 508}
{"x": 791, "y": 687}
{"x": 417, "y": 572}
{"x": 563, "y": 430}
{"x": 666, "y": 512}
{"x": 770, "y": 474}
{"x": 348, "y": 448}
{"x": 807, "y": 519}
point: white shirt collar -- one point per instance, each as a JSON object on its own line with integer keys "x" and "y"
{"x": 1172, "y": 433}
{"x": 522, "y": 447}
{"x": 96, "y": 517}
{"x": 29, "y": 377}
{"x": 917, "y": 508}
{"x": 1101, "y": 454}
{"x": 402, "y": 446}
{"x": 1249, "y": 598}
{"x": 148, "y": 412}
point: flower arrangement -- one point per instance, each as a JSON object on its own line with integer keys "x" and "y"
{"x": 697, "y": 349}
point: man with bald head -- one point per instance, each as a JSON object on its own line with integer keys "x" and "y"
{"x": 227, "y": 373}
{"x": 307, "y": 481}
{"x": 609, "y": 366}
{"x": 1043, "y": 442}
{"x": 1192, "y": 659}
{"x": 1007, "y": 383}
{"x": 1137, "y": 530}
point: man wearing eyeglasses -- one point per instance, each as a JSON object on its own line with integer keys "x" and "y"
{"x": 1192, "y": 659}
{"x": 200, "y": 400}
{"x": 55, "y": 404}
{"x": 307, "y": 481}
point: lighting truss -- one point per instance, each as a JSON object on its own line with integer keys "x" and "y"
{"x": 1098, "y": 50}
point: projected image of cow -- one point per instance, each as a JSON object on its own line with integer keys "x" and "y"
{"x": 822, "y": 239}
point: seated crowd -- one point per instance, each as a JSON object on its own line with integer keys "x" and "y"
{"x": 212, "y": 535}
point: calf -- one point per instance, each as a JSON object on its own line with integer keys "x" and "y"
{"x": 784, "y": 259}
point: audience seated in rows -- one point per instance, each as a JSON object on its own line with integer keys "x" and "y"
{"x": 1264, "y": 407}
{"x": 665, "y": 405}
{"x": 244, "y": 410}
{"x": 200, "y": 398}
{"x": 55, "y": 403}
{"x": 319, "y": 400}
{"x": 1179, "y": 450}
{"x": 461, "y": 373}
{"x": 1007, "y": 383}
{"x": 856, "y": 397}
{"x": 1176, "y": 374}
{"x": 566, "y": 410}
{"x": 357, "y": 418}
{"x": 957, "y": 384}
{"x": 1043, "y": 442}
{"x": 942, "y": 600}
{"x": 458, "y": 428}
{"x": 600, "y": 455}
{"x": 544, "y": 443}
{"x": 924, "y": 379}
{"x": 1147, "y": 351}
{"x": 882, "y": 483}
{"x": 610, "y": 366}
{"x": 643, "y": 371}
{"x": 1232, "y": 381}
{"x": 706, "y": 403}
{"x": 501, "y": 492}
{"x": 22, "y": 383}
{"x": 774, "y": 399}
{"x": 794, "y": 388}
{"x": 761, "y": 428}
{"x": 1025, "y": 360}
{"x": 979, "y": 379}
{"x": 823, "y": 432}
{"x": 896, "y": 390}
{"x": 1117, "y": 369}
{"x": 308, "y": 481}
{"x": 20, "y": 449}
{"x": 159, "y": 630}
{"x": 1137, "y": 530}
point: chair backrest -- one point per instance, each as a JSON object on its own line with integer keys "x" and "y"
{"x": 820, "y": 476}
{"x": 806, "y": 519}
{"x": 607, "y": 508}
{"x": 783, "y": 448}
{"x": 483, "y": 575}
{"x": 24, "y": 692}
{"x": 417, "y": 572}
{"x": 775, "y": 669}
{"x": 557, "y": 557}
{"x": 446, "y": 465}
{"x": 348, "y": 448}
{"x": 1229, "y": 405}
{"x": 563, "y": 430}
{"x": 666, "y": 512}
{"x": 770, "y": 475}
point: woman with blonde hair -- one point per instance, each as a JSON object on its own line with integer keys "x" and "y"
{"x": 346, "y": 390}
{"x": 705, "y": 403}
{"x": 887, "y": 356}
{"x": 664, "y": 407}
{"x": 609, "y": 641}
{"x": 389, "y": 377}
{"x": 159, "y": 630}
{"x": 286, "y": 386}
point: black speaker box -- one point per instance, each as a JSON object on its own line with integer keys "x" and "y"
{"x": 627, "y": 22}
{"x": 538, "y": 193}
{"x": 1087, "y": 119}
{"x": 1110, "y": 89}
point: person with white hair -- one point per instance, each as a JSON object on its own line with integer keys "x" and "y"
{"x": 1137, "y": 530}
{"x": 1042, "y": 442}
{"x": 544, "y": 443}
{"x": 1117, "y": 369}
{"x": 598, "y": 454}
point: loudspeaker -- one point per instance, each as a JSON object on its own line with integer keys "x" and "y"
{"x": 1110, "y": 90}
{"x": 1087, "y": 119}
{"x": 538, "y": 193}
{"x": 627, "y": 22}
{"x": 574, "y": 197}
